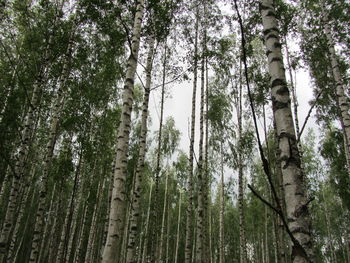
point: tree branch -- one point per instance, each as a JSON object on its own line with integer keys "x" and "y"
{"x": 309, "y": 115}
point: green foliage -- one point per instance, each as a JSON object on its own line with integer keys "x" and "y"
{"x": 332, "y": 151}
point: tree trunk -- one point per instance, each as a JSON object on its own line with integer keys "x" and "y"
{"x": 295, "y": 194}
{"x": 155, "y": 250}
{"x": 178, "y": 230}
{"x": 43, "y": 248}
{"x": 242, "y": 239}
{"x": 342, "y": 100}
{"x": 135, "y": 210}
{"x": 161, "y": 246}
{"x": 200, "y": 219}
{"x": 66, "y": 230}
{"x": 222, "y": 210}
{"x": 189, "y": 211}
{"x": 117, "y": 210}
{"x": 92, "y": 231}
{"x": 144, "y": 252}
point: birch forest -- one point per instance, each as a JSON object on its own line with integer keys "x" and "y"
{"x": 170, "y": 131}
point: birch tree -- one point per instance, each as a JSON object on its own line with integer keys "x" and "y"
{"x": 295, "y": 194}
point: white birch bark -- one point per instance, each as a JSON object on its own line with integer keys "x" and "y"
{"x": 200, "y": 218}
{"x": 342, "y": 100}
{"x": 189, "y": 211}
{"x": 135, "y": 210}
{"x": 117, "y": 209}
{"x": 295, "y": 195}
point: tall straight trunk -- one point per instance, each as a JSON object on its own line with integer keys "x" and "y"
{"x": 56, "y": 231}
{"x": 92, "y": 231}
{"x": 207, "y": 176}
{"x": 124, "y": 244}
{"x": 56, "y": 115}
{"x": 342, "y": 100}
{"x": 167, "y": 235}
{"x": 222, "y": 209}
{"x": 242, "y": 239}
{"x": 267, "y": 252}
{"x": 43, "y": 249}
{"x": 210, "y": 234}
{"x": 144, "y": 251}
{"x": 117, "y": 210}
{"x": 189, "y": 211}
{"x": 194, "y": 241}
{"x": 66, "y": 230}
{"x": 155, "y": 250}
{"x": 141, "y": 238}
{"x": 135, "y": 209}
{"x": 79, "y": 248}
{"x": 201, "y": 173}
{"x": 161, "y": 246}
{"x": 178, "y": 230}
{"x": 205, "y": 166}
{"x": 295, "y": 195}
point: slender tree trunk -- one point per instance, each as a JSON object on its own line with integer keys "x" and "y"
{"x": 155, "y": 250}
{"x": 178, "y": 231}
{"x": 78, "y": 252}
{"x": 222, "y": 210}
{"x": 201, "y": 189}
{"x": 242, "y": 239}
{"x": 189, "y": 211}
{"x": 342, "y": 100}
{"x": 92, "y": 231}
{"x": 210, "y": 234}
{"x": 193, "y": 259}
{"x": 66, "y": 230}
{"x": 161, "y": 246}
{"x": 144, "y": 252}
{"x": 167, "y": 235}
{"x": 135, "y": 210}
{"x": 117, "y": 210}
{"x": 267, "y": 252}
{"x": 295, "y": 195}
{"x": 126, "y": 230}
{"x": 43, "y": 248}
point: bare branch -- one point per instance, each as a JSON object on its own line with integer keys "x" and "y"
{"x": 309, "y": 115}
